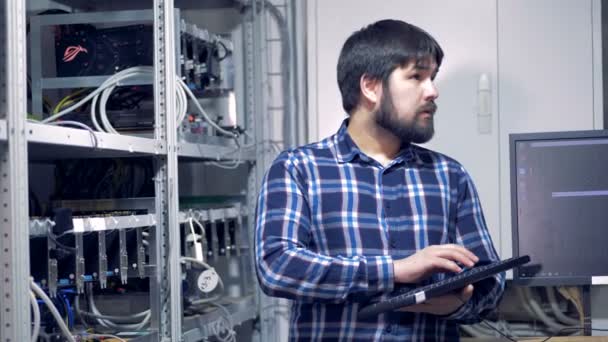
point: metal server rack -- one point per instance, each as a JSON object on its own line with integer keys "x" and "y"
{"x": 16, "y": 133}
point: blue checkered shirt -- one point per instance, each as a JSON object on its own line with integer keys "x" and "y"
{"x": 331, "y": 220}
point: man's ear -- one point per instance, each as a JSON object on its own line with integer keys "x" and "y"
{"x": 371, "y": 90}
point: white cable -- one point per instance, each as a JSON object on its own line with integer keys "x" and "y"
{"x": 64, "y": 329}
{"x": 85, "y": 99}
{"x": 230, "y": 166}
{"x": 182, "y": 102}
{"x": 200, "y": 226}
{"x": 106, "y": 323}
{"x": 77, "y": 124}
{"x": 550, "y": 323}
{"x": 196, "y": 261}
{"x": 203, "y": 112}
{"x": 196, "y": 244}
{"x": 146, "y": 72}
{"x": 106, "y": 88}
{"x": 217, "y": 328}
{"x": 556, "y": 310}
{"x": 36, "y": 312}
{"x": 135, "y": 318}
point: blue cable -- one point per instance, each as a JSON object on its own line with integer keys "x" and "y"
{"x": 69, "y": 310}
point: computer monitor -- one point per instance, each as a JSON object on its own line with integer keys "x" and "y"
{"x": 559, "y": 201}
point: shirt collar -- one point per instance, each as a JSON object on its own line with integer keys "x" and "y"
{"x": 347, "y": 150}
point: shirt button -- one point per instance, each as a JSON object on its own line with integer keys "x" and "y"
{"x": 388, "y": 329}
{"x": 394, "y": 243}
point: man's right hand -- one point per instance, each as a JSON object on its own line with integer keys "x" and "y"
{"x": 432, "y": 259}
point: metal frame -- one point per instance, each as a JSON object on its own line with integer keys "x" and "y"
{"x": 15, "y": 133}
{"x": 165, "y": 294}
{"x": 14, "y": 242}
{"x": 96, "y": 143}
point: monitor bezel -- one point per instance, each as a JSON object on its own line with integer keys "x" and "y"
{"x": 530, "y": 137}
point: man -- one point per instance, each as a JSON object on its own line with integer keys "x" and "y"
{"x": 346, "y": 220}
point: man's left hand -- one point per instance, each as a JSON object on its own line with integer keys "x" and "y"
{"x": 442, "y": 305}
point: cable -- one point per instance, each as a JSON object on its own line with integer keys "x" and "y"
{"x": 118, "y": 319}
{"x": 138, "y": 321}
{"x": 204, "y": 113}
{"x": 104, "y": 336}
{"x": 483, "y": 321}
{"x": 64, "y": 329}
{"x": 196, "y": 239}
{"x": 103, "y": 92}
{"x": 561, "y": 331}
{"x": 217, "y": 328}
{"x": 68, "y": 309}
{"x": 108, "y": 323}
{"x": 548, "y": 321}
{"x": 199, "y": 224}
{"x": 230, "y": 166}
{"x": 556, "y": 310}
{"x": 78, "y": 124}
{"x": 198, "y": 262}
{"x": 36, "y": 312}
{"x": 106, "y": 88}
{"x": 59, "y": 244}
{"x": 66, "y": 100}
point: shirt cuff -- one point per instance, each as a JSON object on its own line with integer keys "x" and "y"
{"x": 380, "y": 273}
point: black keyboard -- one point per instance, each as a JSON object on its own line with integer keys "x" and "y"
{"x": 407, "y": 296}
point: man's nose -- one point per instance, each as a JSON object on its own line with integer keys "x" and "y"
{"x": 431, "y": 92}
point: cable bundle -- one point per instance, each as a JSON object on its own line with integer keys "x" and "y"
{"x": 145, "y": 73}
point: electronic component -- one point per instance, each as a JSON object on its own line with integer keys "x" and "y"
{"x": 88, "y": 51}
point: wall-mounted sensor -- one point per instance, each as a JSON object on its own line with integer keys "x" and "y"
{"x": 484, "y": 104}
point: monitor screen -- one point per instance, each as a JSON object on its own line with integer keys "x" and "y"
{"x": 559, "y": 196}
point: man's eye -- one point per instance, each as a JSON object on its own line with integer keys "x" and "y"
{"x": 417, "y": 77}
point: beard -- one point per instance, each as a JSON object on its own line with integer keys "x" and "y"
{"x": 408, "y": 131}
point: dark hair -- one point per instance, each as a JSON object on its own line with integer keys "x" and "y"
{"x": 378, "y": 49}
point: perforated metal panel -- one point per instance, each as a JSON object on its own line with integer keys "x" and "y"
{"x": 14, "y": 253}
{"x": 168, "y": 285}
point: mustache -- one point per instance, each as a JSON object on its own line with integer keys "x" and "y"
{"x": 430, "y": 107}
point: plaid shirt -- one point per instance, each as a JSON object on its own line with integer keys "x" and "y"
{"x": 331, "y": 220}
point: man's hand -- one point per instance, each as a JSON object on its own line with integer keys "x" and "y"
{"x": 443, "y": 305}
{"x": 432, "y": 259}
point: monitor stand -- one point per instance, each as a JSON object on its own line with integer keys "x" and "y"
{"x": 586, "y": 301}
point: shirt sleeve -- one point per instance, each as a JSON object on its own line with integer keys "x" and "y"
{"x": 472, "y": 233}
{"x": 285, "y": 264}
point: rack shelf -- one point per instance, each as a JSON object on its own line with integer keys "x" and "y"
{"x": 136, "y": 4}
{"x": 214, "y": 152}
{"x": 49, "y": 142}
{"x": 88, "y": 82}
{"x": 96, "y": 224}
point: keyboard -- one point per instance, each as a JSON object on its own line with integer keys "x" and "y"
{"x": 407, "y": 296}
